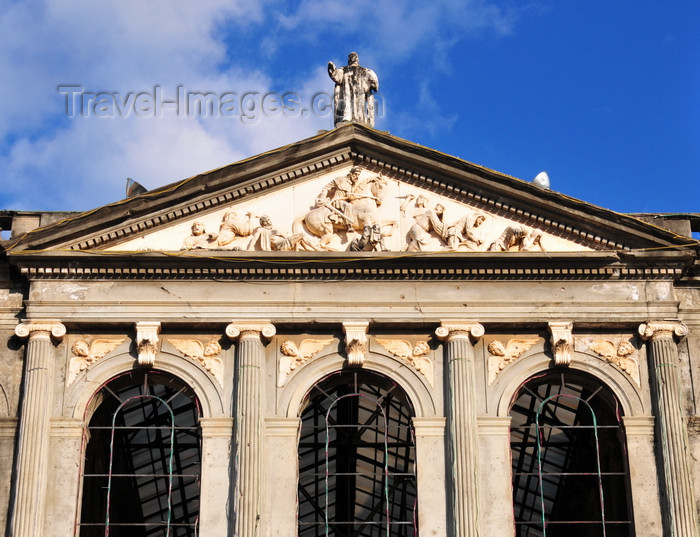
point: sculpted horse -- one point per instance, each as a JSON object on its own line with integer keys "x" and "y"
{"x": 325, "y": 219}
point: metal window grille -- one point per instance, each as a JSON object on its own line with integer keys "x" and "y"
{"x": 357, "y": 459}
{"x": 142, "y": 460}
{"x": 570, "y": 473}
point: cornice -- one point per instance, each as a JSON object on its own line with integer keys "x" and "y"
{"x": 428, "y": 168}
{"x": 201, "y": 265}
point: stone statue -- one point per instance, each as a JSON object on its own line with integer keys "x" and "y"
{"x": 199, "y": 239}
{"x": 353, "y": 100}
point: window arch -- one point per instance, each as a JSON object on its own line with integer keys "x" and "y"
{"x": 569, "y": 459}
{"x": 357, "y": 459}
{"x": 142, "y": 459}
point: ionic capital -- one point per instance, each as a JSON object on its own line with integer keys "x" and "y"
{"x": 656, "y": 330}
{"x": 449, "y": 330}
{"x": 251, "y": 329}
{"x": 43, "y": 329}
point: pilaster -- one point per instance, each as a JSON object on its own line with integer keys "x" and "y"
{"x": 644, "y": 483}
{"x": 458, "y": 337}
{"x": 430, "y": 462}
{"x": 673, "y": 435}
{"x": 214, "y": 513}
{"x": 495, "y": 485}
{"x": 65, "y": 458}
{"x": 282, "y": 462}
{"x": 34, "y": 427}
{"x": 250, "y": 358}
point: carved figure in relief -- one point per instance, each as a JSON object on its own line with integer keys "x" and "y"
{"x": 206, "y": 355}
{"x": 421, "y": 203}
{"x": 461, "y": 233}
{"x": 519, "y": 239}
{"x": 346, "y": 204}
{"x": 622, "y": 355}
{"x": 502, "y": 355}
{"x": 293, "y": 356}
{"x": 415, "y": 355}
{"x": 85, "y": 355}
{"x": 353, "y": 98}
{"x": 199, "y": 239}
{"x": 371, "y": 240}
{"x": 428, "y": 224}
{"x": 337, "y": 195}
{"x": 233, "y": 227}
{"x": 267, "y": 239}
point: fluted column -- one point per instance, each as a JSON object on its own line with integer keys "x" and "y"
{"x": 663, "y": 354}
{"x": 458, "y": 336}
{"x": 34, "y": 427}
{"x": 250, "y": 358}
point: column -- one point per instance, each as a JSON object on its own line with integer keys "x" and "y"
{"x": 495, "y": 485}
{"x": 250, "y": 359}
{"x": 34, "y": 427}
{"x": 430, "y": 463}
{"x": 665, "y": 380}
{"x": 214, "y": 514}
{"x": 644, "y": 484}
{"x": 459, "y": 354}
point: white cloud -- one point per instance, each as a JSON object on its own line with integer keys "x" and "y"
{"x": 119, "y": 47}
{"x": 399, "y": 27}
{"x": 51, "y": 162}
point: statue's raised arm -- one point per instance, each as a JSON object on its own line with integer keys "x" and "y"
{"x": 353, "y": 99}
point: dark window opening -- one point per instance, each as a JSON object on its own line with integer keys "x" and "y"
{"x": 142, "y": 459}
{"x": 357, "y": 459}
{"x": 570, "y": 469}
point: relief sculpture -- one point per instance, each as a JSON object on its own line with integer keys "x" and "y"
{"x": 234, "y": 227}
{"x": 415, "y": 355}
{"x": 621, "y": 354}
{"x": 346, "y": 205}
{"x": 199, "y": 239}
{"x": 268, "y": 239}
{"x": 85, "y": 355}
{"x": 426, "y": 224}
{"x": 294, "y": 356}
{"x": 502, "y": 355}
{"x": 462, "y": 233}
{"x": 206, "y": 355}
{"x": 519, "y": 239}
{"x": 362, "y": 211}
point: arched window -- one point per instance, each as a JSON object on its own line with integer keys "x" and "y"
{"x": 357, "y": 459}
{"x": 142, "y": 459}
{"x": 570, "y": 470}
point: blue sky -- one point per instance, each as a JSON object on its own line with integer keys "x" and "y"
{"x": 603, "y": 95}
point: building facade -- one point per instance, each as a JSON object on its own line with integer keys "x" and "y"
{"x": 351, "y": 335}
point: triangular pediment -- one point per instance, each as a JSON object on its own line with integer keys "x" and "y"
{"x": 352, "y": 208}
{"x": 305, "y": 197}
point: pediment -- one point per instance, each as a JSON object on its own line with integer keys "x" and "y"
{"x": 353, "y": 208}
{"x": 402, "y": 198}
